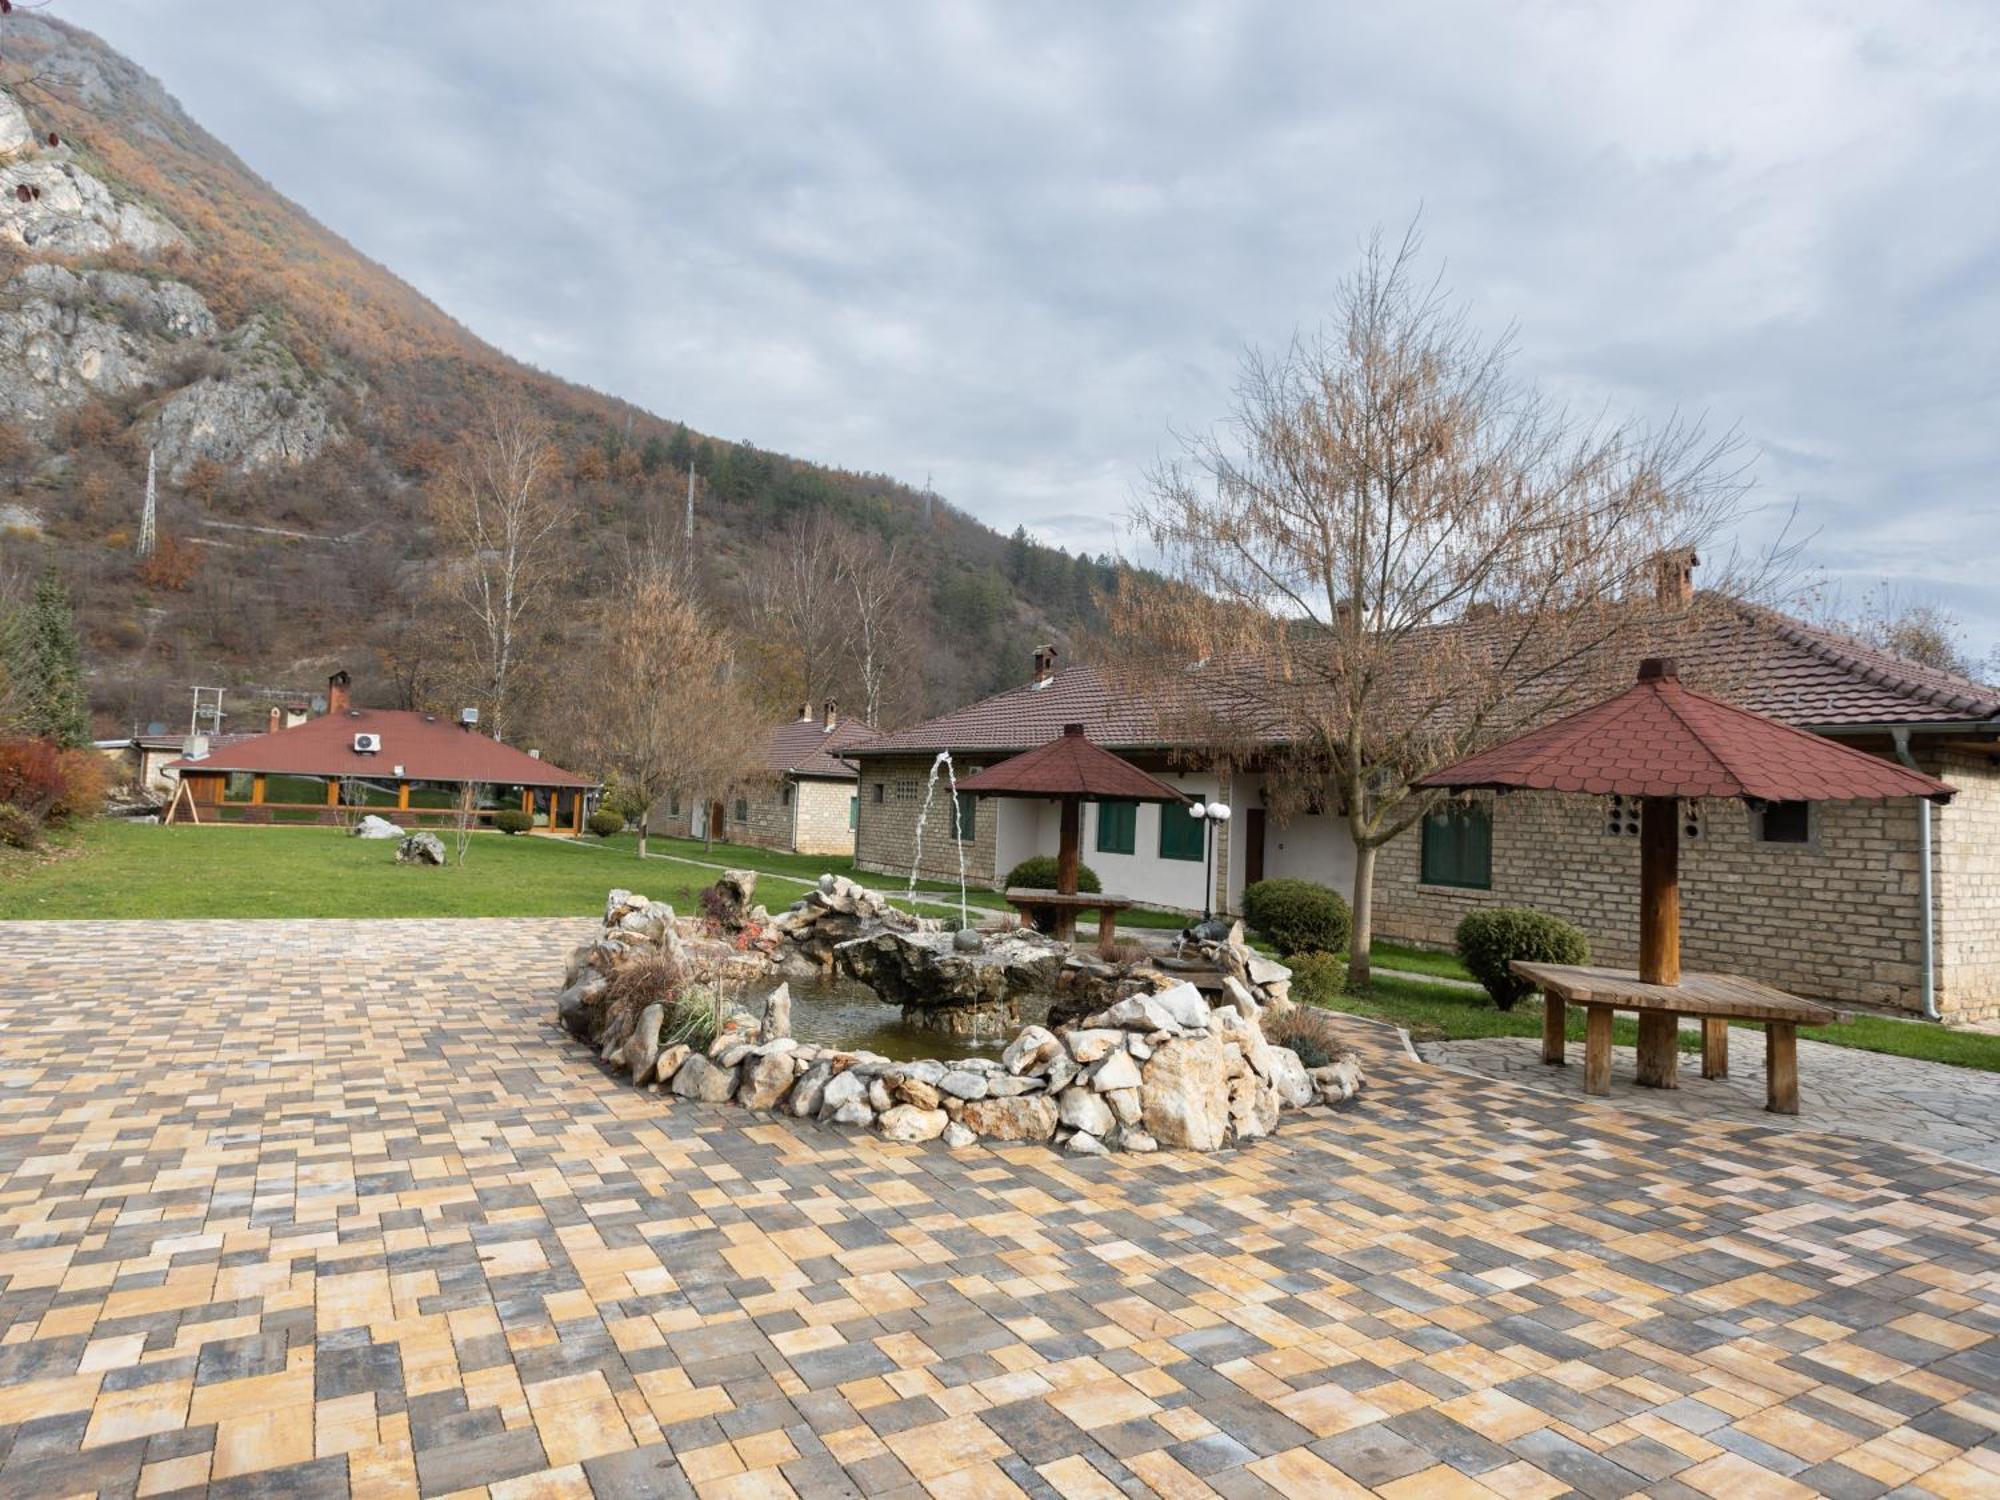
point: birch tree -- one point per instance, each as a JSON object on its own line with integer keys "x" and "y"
{"x": 1379, "y": 480}
{"x": 800, "y": 608}
{"x": 880, "y": 600}
{"x": 501, "y": 515}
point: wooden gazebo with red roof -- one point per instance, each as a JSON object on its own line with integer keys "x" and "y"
{"x": 1663, "y": 743}
{"x": 1070, "y": 769}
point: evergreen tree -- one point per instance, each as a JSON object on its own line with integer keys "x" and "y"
{"x": 50, "y": 668}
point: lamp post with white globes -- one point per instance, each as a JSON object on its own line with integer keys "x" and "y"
{"x": 1210, "y": 815}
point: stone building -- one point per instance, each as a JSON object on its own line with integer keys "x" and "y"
{"x": 806, "y": 804}
{"x": 1825, "y": 900}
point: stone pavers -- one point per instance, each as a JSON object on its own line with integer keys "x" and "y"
{"x": 1903, "y": 1101}
{"x": 327, "y": 1208}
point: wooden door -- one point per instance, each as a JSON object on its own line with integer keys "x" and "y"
{"x": 1253, "y": 845}
{"x": 718, "y": 825}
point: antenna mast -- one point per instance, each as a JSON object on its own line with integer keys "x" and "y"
{"x": 690, "y": 519}
{"x": 147, "y": 521}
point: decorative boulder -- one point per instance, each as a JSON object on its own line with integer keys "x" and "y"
{"x": 1289, "y": 1077}
{"x": 420, "y": 849}
{"x": 1185, "y": 1094}
{"x": 643, "y": 1050}
{"x": 907, "y": 1123}
{"x": 1026, "y": 1117}
{"x": 766, "y": 1080}
{"x": 372, "y": 827}
{"x": 777, "y": 1014}
{"x": 704, "y": 1081}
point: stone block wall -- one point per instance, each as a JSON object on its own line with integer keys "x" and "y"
{"x": 885, "y": 840}
{"x": 1835, "y": 918}
{"x": 821, "y": 825}
{"x": 1966, "y": 855}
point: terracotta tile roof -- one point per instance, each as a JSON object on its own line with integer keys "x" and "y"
{"x": 1660, "y": 739}
{"x": 1069, "y": 766}
{"x": 1770, "y": 664}
{"x": 806, "y": 747}
{"x": 426, "y": 747}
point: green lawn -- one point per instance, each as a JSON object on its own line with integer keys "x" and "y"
{"x": 1438, "y": 1012}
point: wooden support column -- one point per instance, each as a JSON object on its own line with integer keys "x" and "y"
{"x": 1597, "y": 1049}
{"x": 1107, "y": 932}
{"x": 1660, "y": 890}
{"x": 1714, "y": 1047}
{"x": 257, "y": 791}
{"x": 1659, "y": 1049}
{"x": 1781, "y": 1067}
{"x": 333, "y": 791}
{"x": 402, "y": 794}
{"x": 1554, "y": 1021}
{"x": 1069, "y": 852}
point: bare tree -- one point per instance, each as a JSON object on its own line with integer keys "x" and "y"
{"x": 664, "y": 712}
{"x": 464, "y": 818}
{"x": 1379, "y": 480}
{"x": 500, "y": 513}
{"x": 881, "y": 601}
{"x": 1916, "y": 629}
{"x": 800, "y": 605}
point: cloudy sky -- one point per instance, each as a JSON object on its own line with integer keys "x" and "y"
{"x": 1015, "y": 246}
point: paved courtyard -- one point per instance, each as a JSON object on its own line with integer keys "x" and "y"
{"x": 1897, "y": 1100}
{"x": 303, "y": 1208}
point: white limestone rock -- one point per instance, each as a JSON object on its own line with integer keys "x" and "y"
{"x": 908, "y": 1124}
{"x": 1081, "y": 1109}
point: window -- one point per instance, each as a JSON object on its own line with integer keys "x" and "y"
{"x": 906, "y": 791}
{"x": 1180, "y": 832}
{"x": 879, "y": 789}
{"x": 1458, "y": 846}
{"x": 854, "y": 812}
{"x": 1785, "y": 823}
{"x": 1117, "y": 827}
{"x": 742, "y": 810}
{"x": 785, "y": 794}
{"x": 673, "y": 804}
{"x": 968, "y": 817}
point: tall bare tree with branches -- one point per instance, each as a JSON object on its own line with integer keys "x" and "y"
{"x": 663, "y": 711}
{"x": 801, "y": 605}
{"x": 1380, "y": 480}
{"x": 501, "y": 513}
{"x": 881, "y": 601}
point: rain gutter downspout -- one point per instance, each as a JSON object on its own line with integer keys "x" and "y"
{"x": 1902, "y": 739}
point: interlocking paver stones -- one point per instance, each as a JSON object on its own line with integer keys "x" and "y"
{"x": 302, "y": 1208}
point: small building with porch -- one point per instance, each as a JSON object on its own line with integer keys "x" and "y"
{"x": 408, "y": 767}
{"x": 804, "y": 803}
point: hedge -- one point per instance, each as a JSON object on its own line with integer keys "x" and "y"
{"x": 1491, "y": 939}
{"x": 1296, "y": 916}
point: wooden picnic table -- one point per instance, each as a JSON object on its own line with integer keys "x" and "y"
{"x": 1717, "y": 999}
{"x": 1026, "y": 898}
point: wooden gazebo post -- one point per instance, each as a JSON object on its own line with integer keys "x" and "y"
{"x": 1659, "y": 935}
{"x": 1069, "y": 854}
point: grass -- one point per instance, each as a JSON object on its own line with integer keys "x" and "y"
{"x": 1438, "y": 1012}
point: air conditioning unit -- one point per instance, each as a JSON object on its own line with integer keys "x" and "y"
{"x": 367, "y": 744}
{"x": 468, "y": 717}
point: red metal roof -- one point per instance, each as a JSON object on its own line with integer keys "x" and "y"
{"x": 426, "y": 747}
{"x": 806, "y": 747}
{"x": 1070, "y": 766}
{"x": 1660, "y": 739}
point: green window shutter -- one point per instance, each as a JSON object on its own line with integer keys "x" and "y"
{"x": 968, "y": 817}
{"x": 854, "y": 812}
{"x": 1458, "y": 846}
{"x": 1117, "y": 827}
{"x": 1180, "y": 832}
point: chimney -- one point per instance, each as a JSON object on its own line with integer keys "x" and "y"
{"x": 1673, "y": 577}
{"x": 1045, "y": 663}
{"x": 277, "y": 720}
{"x": 336, "y": 693}
{"x": 832, "y": 718}
{"x": 806, "y": 712}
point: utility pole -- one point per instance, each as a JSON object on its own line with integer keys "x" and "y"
{"x": 148, "y": 521}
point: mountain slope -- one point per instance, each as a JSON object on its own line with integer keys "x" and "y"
{"x": 157, "y": 297}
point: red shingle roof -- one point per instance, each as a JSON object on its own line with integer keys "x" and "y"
{"x": 806, "y": 747}
{"x": 1069, "y": 766}
{"x": 1772, "y": 664}
{"x": 1659, "y": 739}
{"x": 427, "y": 748}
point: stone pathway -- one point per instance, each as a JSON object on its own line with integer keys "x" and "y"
{"x": 320, "y": 1208}
{"x": 1903, "y": 1101}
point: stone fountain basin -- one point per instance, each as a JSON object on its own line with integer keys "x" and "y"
{"x": 945, "y": 989}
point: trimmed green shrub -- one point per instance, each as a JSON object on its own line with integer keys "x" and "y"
{"x": 1038, "y": 873}
{"x": 1491, "y": 939}
{"x": 513, "y": 820}
{"x": 1317, "y": 978}
{"x": 604, "y": 822}
{"x": 1296, "y": 916}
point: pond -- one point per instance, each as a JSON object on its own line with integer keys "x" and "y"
{"x": 841, "y": 1013}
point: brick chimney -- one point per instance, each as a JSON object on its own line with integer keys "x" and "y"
{"x": 832, "y": 716}
{"x": 806, "y": 712}
{"x": 1673, "y": 577}
{"x": 337, "y": 700}
{"x": 277, "y": 720}
{"x": 1045, "y": 663}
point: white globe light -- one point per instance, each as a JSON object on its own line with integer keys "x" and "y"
{"x": 1196, "y": 810}
{"x": 1218, "y": 812}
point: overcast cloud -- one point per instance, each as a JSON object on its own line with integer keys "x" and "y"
{"x": 1013, "y": 246}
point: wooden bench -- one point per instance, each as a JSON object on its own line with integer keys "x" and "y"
{"x": 1026, "y": 898}
{"x": 1717, "y": 999}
